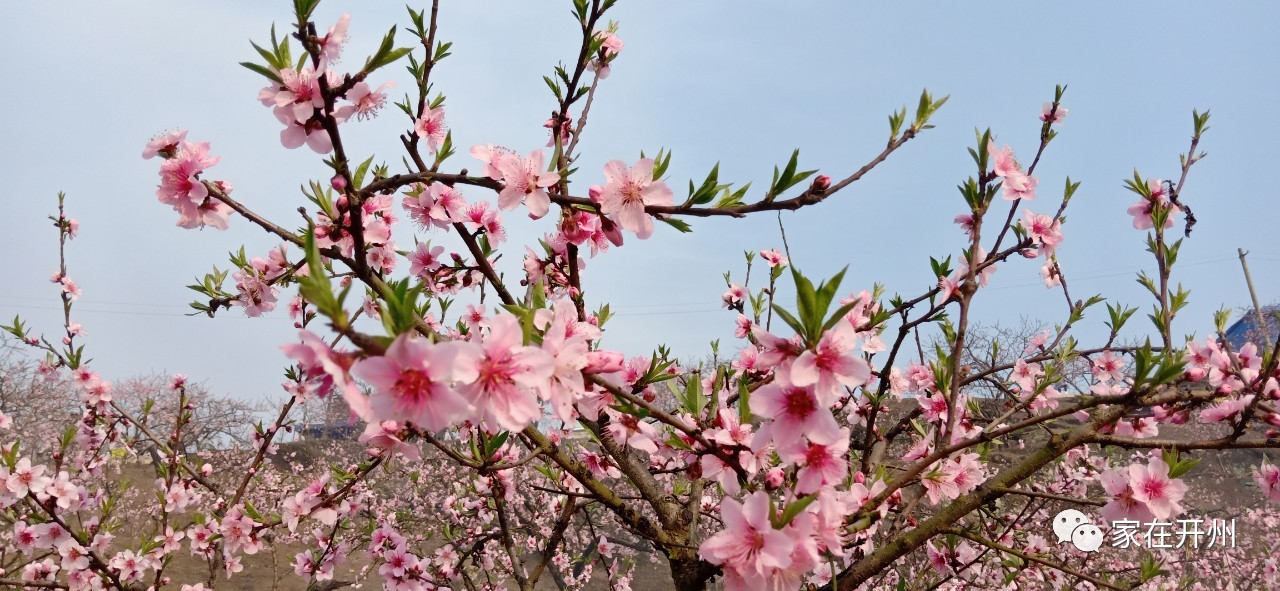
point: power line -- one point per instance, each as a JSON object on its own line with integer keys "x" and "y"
{"x": 674, "y": 312}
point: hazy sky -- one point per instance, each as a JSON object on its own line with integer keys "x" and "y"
{"x": 742, "y": 83}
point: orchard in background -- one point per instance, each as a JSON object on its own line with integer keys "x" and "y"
{"x": 505, "y": 445}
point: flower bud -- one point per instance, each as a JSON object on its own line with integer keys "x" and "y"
{"x": 338, "y": 183}
{"x": 820, "y": 184}
{"x": 774, "y": 478}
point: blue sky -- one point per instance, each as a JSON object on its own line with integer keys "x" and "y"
{"x": 739, "y": 83}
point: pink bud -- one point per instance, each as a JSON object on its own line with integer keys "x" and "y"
{"x": 338, "y": 183}
{"x": 1194, "y": 374}
{"x": 821, "y": 183}
{"x": 774, "y": 478}
{"x": 206, "y": 470}
{"x": 594, "y": 193}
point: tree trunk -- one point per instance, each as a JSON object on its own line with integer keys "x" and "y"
{"x": 691, "y": 574}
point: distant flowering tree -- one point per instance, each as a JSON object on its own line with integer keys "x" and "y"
{"x": 506, "y": 442}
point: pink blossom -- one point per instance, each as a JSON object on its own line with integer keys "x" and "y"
{"x": 297, "y": 98}
{"x": 331, "y": 43}
{"x": 948, "y": 287}
{"x": 1108, "y": 366}
{"x": 509, "y": 373}
{"x": 968, "y": 472}
{"x": 491, "y": 155}
{"x": 631, "y": 431}
{"x": 820, "y": 465}
{"x": 1043, "y": 230}
{"x": 436, "y": 205}
{"x": 979, "y": 258}
{"x": 1142, "y": 210}
{"x": 384, "y": 437}
{"x": 526, "y": 180}
{"x": 1049, "y": 114}
{"x": 478, "y": 215}
{"x": 940, "y": 483}
{"x": 424, "y": 260}
{"x": 1152, "y": 486}
{"x": 414, "y": 381}
{"x": 1050, "y": 273}
{"x": 1019, "y": 186}
{"x": 831, "y": 364}
{"x": 312, "y": 133}
{"x": 748, "y": 546}
{"x": 25, "y": 478}
{"x": 773, "y": 257}
{"x": 1002, "y": 160}
{"x": 566, "y": 340}
{"x": 1036, "y": 342}
{"x": 610, "y": 47}
{"x": 1026, "y": 375}
{"x": 365, "y": 101}
{"x": 1268, "y": 478}
{"x": 1225, "y": 410}
{"x": 165, "y": 145}
{"x": 628, "y": 191}
{"x": 1138, "y": 428}
{"x": 431, "y": 126}
{"x": 1123, "y": 505}
{"x": 180, "y": 174}
{"x": 965, "y": 221}
{"x": 734, "y": 296}
{"x": 795, "y": 412}
{"x": 329, "y": 369}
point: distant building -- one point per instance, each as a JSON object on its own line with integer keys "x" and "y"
{"x": 1246, "y": 329}
{"x": 329, "y": 431}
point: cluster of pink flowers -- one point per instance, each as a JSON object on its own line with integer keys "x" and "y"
{"x": 298, "y": 100}
{"x": 1017, "y": 184}
{"x": 1236, "y": 378}
{"x": 487, "y": 375}
{"x": 180, "y": 184}
{"x": 1141, "y": 493}
{"x": 376, "y": 219}
{"x": 255, "y": 283}
{"x": 610, "y": 47}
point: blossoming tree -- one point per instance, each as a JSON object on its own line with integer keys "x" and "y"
{"x": 507, "y": 444}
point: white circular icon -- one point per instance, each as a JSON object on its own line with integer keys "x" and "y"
{"x": 1087, "y": 537}
{"x": 1066, "y": 522}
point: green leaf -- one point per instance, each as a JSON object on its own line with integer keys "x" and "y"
{"x": 678, "y": 224}
{"x": 792, "y": 510}
{"x": 360, "y": 172}
{"x": 789, "y": 319}
{"x": 496, "y": 443}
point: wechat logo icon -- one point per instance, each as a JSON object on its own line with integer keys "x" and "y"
{"x": 1074, "y": 527}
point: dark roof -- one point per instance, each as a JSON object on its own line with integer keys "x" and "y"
{"x": 1246, "y": 328}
